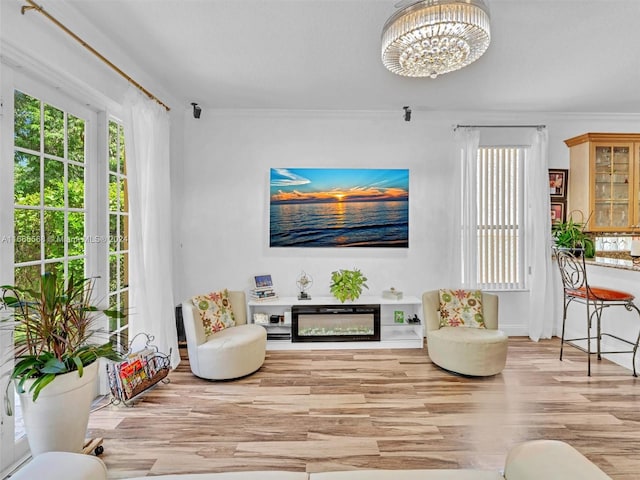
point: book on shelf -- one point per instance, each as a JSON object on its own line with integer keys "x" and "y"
{"x": 262, "y": 293}
{"x": 263, "y": 298}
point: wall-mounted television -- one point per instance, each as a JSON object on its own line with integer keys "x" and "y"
{"x": 339, "y": 207}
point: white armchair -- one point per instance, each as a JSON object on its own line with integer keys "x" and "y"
{"x": 230, "y": 353}
{"x": 469, "y": 351}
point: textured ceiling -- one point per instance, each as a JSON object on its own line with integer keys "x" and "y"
{"x": 547, "y": 56}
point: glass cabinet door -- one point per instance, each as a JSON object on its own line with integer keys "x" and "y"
{"x": 612, "y": 206}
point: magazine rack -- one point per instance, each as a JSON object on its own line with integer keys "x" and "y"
{"x": 141, "y": 371}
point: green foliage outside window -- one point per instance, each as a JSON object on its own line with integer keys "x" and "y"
{"x": 118, "y": 233}
{"x": 49, "y": 217}
{"x": 49, "y": 195}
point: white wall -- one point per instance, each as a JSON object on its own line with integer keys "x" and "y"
{"x": 226, "y": 225}
{"x": 220, "y": 168}
{"x": 227, "y": 157}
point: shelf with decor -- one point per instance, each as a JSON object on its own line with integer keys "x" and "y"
{"x": 604, "y": 184}
{"x": 400, "y": 322}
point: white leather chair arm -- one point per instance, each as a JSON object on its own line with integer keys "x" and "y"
{"x": 62, "y": 466}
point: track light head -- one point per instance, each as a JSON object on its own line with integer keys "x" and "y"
{"x": 407, "y": 113}
{"x": 196, "y": 110}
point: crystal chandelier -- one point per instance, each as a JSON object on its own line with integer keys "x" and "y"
{"x": 431, "y": 37}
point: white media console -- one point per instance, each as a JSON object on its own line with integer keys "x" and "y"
{"x": 396, "y": 330}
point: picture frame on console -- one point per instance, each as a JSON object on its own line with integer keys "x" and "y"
{"x": 262, "y": 282}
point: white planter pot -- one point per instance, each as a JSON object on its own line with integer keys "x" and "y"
{"x": 57, "y": 420}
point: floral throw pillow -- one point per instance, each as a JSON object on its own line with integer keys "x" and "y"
{"x": 215, "y": 311}
{"x": 461, "y": 308}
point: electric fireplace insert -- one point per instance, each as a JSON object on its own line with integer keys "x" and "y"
{"x": 335, "y": 323}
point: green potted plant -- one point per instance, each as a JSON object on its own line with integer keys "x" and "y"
{"x": 55, "y": 360}
{"x": 571, "y": 235}
{"x": 347, "y": 284}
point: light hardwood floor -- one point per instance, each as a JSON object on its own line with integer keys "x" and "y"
{"x": 348, "y": 409}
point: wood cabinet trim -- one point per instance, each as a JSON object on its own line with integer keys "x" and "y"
{"x": 602, "y": 137}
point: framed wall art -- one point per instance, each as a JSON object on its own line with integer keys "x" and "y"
{"x": 339, "y": 207}
{"x": 558, "y": 179}
{"x": 558, "y": 212}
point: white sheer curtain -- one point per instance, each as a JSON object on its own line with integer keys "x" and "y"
{"x": 146, "y": 127}
{"x": 464, "y": 211}
{"x": 542, "y": 297}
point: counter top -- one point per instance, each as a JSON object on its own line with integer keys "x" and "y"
{"x": 614, "y": 263}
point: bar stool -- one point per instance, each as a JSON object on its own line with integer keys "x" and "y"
{"x": 576, "y": 289}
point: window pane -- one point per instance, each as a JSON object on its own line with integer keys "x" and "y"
{"x": 122, "y": 196}
{"x": 121, "y": 235}
{"x": 53, "y": 131}
{"x": 122, "y": 165}
{"x": 76, "y": 268}
{"x": 76, "y": 138}
{"x": 124, "y": 303}
{"x": 113, "y": 273}
{"x": 27, "y": 235}
{"x": 113, "y": 322}
{"x": 54, "y": 234}
{"x": 55, "y": 267}
{"x": 113, "y": 233}
{"x": 76, "y": 186}
{"x": 120, "y": 339}
{"x": 113, "y": 193}
{"x": 124, "y": 232}
{"x": 27, "y": 179}
{"x": 26, "y": 121}
{"x": 124, "y": 280}
{"x": 27, "y": 277}
{"x": 76, "y": 233}
{"x": 53, "y": 183}
{"x": 113, "y": 147}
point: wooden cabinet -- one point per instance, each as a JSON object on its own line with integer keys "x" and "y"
{"x": 604, "y": 181}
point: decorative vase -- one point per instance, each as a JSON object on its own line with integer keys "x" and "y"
{"x": 58, "y": 419}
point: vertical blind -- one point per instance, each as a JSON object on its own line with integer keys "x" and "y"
{"x": 500, "y": 218}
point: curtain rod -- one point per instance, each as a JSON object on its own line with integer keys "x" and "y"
{"x": 34, "y": 6}
{"x": 500, "y": 126}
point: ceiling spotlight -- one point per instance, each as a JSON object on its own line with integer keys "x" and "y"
{"x": 407, "y": 113}
{"x": 196, "y": 110}
{"x": 427, "y": 38}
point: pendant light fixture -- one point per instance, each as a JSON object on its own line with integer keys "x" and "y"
{"x": 432, "y": 37}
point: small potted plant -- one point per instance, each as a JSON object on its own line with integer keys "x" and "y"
{"x": 570, "y": 235}
{"x": 347, "y": 284}
{"x": 56, "y": 363}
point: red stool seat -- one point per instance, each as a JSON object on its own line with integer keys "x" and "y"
{"x": 599, "y": 293}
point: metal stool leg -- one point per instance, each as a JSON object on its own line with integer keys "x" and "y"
{"x": 635, "y": 346}
{"x": 564, "y": 320}
{"x": 598, "y": 312}
{"x": 588, "y": 341}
